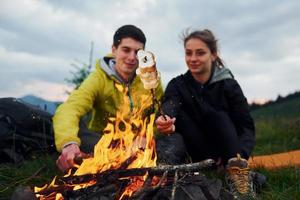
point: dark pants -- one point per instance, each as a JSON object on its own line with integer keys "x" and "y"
{"x": 170, "y": 149}
{"x": 88, "y": 138}
{"x": 213, "y": 137}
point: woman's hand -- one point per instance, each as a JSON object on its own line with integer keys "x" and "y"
{"x": 165, "y": 124}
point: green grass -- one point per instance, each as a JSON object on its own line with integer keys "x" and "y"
{"x": 283, "y": 184}
{"x": 36, "y": 172}
{"x": 277, "y": 135}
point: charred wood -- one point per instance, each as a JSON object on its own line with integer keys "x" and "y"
{"x": 65, "y": 184}
{"x": 145, "y": 191}
{"x": 111, "y": 175}
{"x": 174, "y": 185}
{"x": 138, "y": 194}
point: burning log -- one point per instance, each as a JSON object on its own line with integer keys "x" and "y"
{"x": 112, "y": 175}
{"x": 146, "y": 189}
{"x": 112, "y": 178}
{"x": 111, "y": 191}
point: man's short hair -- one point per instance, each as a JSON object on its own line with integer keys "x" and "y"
{"x": 129, "y": 31}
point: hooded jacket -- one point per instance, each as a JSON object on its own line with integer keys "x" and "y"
{"x": 101, "y": 93}
{"x": 221, "y": 93}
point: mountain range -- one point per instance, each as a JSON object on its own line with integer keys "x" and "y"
{"x": 49, "y": 106}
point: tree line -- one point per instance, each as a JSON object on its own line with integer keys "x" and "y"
{"x": 278, "y": 100}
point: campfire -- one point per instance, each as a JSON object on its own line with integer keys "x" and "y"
{"x": 123, "y": 165}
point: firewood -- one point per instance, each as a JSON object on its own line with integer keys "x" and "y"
{"x": 140, "y": 194}
{"x": 111, "y": 176}
{"x": 174, "y": 185}
{"x": 129, "y": 160}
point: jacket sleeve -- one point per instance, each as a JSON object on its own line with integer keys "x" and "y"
{"x": 171, "y": 100}
{"x": 67, "y": 116}
{"x": 240, "y": 114}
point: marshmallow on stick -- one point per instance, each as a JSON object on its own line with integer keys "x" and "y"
{"x": 147, "y": 69}
{"x": 148, "y": 74}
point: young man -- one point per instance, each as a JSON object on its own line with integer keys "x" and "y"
{"x": 101, "y": 94}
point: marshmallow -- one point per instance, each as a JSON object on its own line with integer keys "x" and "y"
{"x": 147, "y": 69}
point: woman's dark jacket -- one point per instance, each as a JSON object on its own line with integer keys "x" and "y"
{"x": 221, "y": 93}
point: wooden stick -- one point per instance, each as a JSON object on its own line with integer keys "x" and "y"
{"x": 174, "y": 185}
{"x": 128, "y": 161}
{"x": 24, "y": 180}
{"x": 139, "y": 193}
{"x": 155, "y": 100}
{"x": 142, "y": 194}
{"x": 89, "y": 194}
{"x": 111, "y": 175}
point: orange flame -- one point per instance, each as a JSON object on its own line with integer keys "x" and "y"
{"x": 127, "y": 142}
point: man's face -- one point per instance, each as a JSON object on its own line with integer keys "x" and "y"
{"x": 126, "y": 59}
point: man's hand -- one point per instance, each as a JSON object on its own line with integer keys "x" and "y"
{"x": 165, "y": 125}
{"x": 66, "y": 160}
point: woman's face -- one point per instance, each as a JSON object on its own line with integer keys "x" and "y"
{"x": 198, "y": 56}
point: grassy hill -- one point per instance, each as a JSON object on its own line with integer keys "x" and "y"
{"x": 285, "y": 109}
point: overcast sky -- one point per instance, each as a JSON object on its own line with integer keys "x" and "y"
{"x": 39, "y": 40}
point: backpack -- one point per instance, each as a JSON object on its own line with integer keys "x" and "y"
{"x": 24, "y": 129}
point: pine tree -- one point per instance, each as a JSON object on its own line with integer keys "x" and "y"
{"x": 82, "y": 70}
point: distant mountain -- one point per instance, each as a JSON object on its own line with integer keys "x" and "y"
{"x": 46, "y": 105}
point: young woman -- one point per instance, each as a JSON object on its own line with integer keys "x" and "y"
{"x": 208, "y": 108}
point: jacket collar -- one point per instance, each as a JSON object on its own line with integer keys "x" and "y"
{"x": 107, "y": 64}
{"x": 218, "y": 73}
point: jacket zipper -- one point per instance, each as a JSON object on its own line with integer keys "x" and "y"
{"x": 130, "y": 98}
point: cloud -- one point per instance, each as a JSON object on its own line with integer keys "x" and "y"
{"x": 20, "y": 65}
{"x": 24, "y": 73}
{"x": 43, "y": 89}
{"x": 40, "y": 28}
{"x": 259, "y": 40}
